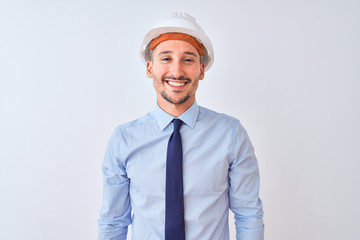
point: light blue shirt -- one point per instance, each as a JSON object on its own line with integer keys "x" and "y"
{"x": 220, "y": 172}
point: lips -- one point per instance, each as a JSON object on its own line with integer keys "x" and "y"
{"x": 176, "y": 84}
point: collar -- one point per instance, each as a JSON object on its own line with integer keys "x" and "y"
{"x": 189, "y": 117}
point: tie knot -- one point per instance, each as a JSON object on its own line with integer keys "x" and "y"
{"x": 177, "y": 124}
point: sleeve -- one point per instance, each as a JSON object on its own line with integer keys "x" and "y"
{"x": 115, "y": 213}
{"x": 244, "y": 184}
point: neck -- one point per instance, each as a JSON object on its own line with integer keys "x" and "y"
{"x": 175, "y": 109}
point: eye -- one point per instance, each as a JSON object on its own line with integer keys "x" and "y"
{"x": 165, "y": 59}
{"x": 189, "y": 60}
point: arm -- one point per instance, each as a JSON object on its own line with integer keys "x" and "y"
{"x": 115, "y": 214}
{"x": 244, "y": 188}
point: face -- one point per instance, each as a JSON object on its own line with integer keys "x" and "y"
{"x": 176, "y": 70}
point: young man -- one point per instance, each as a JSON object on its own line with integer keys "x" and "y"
{"x": 180, "y": 168}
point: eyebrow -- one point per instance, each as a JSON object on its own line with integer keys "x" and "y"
{"x": 186, "y": 52}
{"x": 191, "y": 53}
{"x": 165, "y": 52}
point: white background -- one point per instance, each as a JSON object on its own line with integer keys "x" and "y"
{"x": 70, "y": 72}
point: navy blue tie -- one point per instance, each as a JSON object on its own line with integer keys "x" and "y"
{"x": 174, "y": 199}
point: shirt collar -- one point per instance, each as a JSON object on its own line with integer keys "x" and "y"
{"x": 189, "y": 117}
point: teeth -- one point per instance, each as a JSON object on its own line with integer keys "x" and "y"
{"x": 176, "y": 84}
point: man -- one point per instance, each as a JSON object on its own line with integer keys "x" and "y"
{"x": 180, "y": 168}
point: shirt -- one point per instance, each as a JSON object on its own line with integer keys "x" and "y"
{"x": 220, "y": 172}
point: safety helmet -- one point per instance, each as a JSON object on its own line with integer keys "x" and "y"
{"x": 182, "y": 23}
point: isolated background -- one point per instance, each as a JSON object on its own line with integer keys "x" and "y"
{"x": 70, "y": 72}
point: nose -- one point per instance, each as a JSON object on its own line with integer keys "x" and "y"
{"x": 177, "y": 69}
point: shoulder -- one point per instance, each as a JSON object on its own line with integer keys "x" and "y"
{"x": 146, "y": 121}
{"x": 221, "y": 119}
{"x": 216, "y": 116}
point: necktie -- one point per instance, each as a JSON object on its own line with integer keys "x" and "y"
{"x": 174, "y": 199}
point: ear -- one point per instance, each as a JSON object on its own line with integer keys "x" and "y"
{"x": 202, "y": 71}
{"x": 149, "y": 69}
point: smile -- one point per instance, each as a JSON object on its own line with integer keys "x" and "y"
{"x": 176, "y": 84}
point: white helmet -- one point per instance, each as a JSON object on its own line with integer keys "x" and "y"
{"x": 182, "y": 23}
